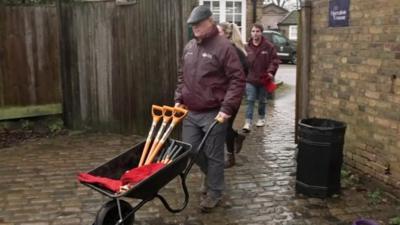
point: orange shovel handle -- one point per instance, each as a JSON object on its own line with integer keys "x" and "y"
{"x": 168, "y": 113}
{"x": 179, "y": 114}
{"x": 156, "y": 112}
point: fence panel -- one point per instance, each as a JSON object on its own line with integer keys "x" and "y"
{"x": 113, "y": 63}
{"x": 29, "y": 61}
{"x": 119, "y": 60}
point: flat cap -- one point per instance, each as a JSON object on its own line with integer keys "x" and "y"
{"x": 199, "y": 14}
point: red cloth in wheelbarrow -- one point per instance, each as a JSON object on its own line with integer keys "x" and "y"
{"x": 111, "y": 184}
{"x": 132, "y": 176}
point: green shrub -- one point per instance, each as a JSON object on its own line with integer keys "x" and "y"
{"x": 348, "y": 179}
{"x": 26, "y": 125}
{"x": 55, "y": 126}
{"x": 375, "y": 197}
{"x": 395, "y": 221}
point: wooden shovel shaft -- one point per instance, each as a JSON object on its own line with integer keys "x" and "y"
{"x": 158, "y": 136}
{"x": 156, "y": 112}
{"x": 148, "y": 141}
{"x": 154, "y": 152}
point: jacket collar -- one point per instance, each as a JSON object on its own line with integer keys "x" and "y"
{"x": 256, "y": 46}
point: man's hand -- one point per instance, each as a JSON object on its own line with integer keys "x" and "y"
{"x": 266, "y": 77}
{"x": 222, "y": 117}
{"x": 179, "y": 105}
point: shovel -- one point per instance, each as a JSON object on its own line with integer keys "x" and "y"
{"x": 157, "y": 112}
{"x": 177, "y": 116}
{"x": 167, "y": 116}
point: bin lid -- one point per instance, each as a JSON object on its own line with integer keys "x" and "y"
{"x": 322, "y": 124}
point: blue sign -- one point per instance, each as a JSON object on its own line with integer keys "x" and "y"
{"x": 339, "y": 13}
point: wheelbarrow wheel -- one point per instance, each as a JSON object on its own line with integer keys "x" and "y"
{"x": 108, "y": 213}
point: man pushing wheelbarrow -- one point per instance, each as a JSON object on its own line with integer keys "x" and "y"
{"x": 210, "y": 86}
{"x": 211, "y": 83}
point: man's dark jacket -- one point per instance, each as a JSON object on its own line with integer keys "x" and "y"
{"x": 262, "y": 59}
{"x": 211, "y": 76}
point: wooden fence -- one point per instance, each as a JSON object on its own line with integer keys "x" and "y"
{"x": 29, "y": 62}
{"x": 116, "y": 60}
{"x": 119, "y": 60}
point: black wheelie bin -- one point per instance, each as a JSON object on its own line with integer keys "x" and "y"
{"x": 320, "y": 157}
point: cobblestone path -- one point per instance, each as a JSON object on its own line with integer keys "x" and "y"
{"x": 38, "y": 181}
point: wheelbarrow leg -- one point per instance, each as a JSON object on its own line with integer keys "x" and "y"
{"x": 119, "y": 211}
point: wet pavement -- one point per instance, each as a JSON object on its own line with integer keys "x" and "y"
{"x": 38, "y": 181}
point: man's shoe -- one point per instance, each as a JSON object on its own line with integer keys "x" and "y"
{"x": 209, "y": 203}
{"x": 239, "y": 142}
{"x": 246, "y": 128}
{"x": 260, "y": 123}
{"x": 230, "y": 161}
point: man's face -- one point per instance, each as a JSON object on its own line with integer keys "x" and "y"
{"x": 201, "y": 28}
{"x": 256, "y": 33}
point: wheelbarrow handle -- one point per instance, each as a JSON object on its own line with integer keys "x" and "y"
{"x": 200, "y": 147}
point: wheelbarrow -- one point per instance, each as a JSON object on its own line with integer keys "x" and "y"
{"x": 120, "y": 212}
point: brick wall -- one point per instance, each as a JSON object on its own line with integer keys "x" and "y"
{"x": 355, "y": 78}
